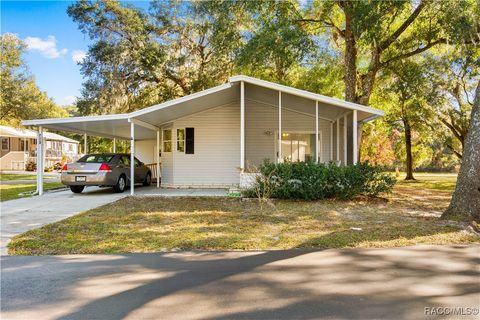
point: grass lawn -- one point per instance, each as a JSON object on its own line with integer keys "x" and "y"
{"x": 12, "y": 176}
{"x": 12, "y": 191}
{"x": 409, "y": 216}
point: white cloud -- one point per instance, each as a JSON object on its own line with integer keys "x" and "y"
{"x": 78, "y": 55}
{"x": 69, "y": 99}
{"x": 47, "y": 48}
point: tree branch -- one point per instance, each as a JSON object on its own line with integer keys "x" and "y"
{"x": 385, "y": 44}
{"x": 414, "y": 52}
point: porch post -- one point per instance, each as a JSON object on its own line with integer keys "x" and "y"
{"x": 85, "y": 147}
{"x": 345, "y": 140}
{"x": 242, "y": 126}
{"x": 337, "y": 140}
{"x": 354, "y": 137}
{"x": 40, "y": 161}
{"x": 114, "y": 145}
{"x": 158, "y": 158}
{"x": 317, "y": 145}
{"x": 279, "y": 158}
{"x": 331, "y": 141}
{"x": 132, "y": 157}
{"x": 25, "y": 155}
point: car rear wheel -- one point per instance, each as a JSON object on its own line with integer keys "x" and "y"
{"x": 148, "y": 179}
{"x": 77, "y": 189}
{"x": 121, "y": 184}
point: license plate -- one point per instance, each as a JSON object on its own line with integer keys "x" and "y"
{"x": 80, "y": 179}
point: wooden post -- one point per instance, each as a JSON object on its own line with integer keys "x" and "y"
{"x": 158, "y": 158}
{"x": 338, "y": 140}
{"x": 345, "y": 140}
{"x": 279, "y": 158}
{"x": 355, "y": 137}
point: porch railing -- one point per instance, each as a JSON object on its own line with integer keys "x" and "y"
{"x": 153, "y": 169}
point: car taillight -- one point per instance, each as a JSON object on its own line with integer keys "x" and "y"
{"x": 105, "y": 167}
{"x": 64, "y": 168}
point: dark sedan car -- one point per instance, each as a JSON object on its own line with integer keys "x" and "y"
{"x": 105, "y": 169}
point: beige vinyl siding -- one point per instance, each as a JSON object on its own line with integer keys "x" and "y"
{"x": 261, "y": 131}
{"x": 216, "y": 159}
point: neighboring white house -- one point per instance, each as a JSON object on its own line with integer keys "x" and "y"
{"x": 209, "y": 139}
{"x": 18, "y": 147}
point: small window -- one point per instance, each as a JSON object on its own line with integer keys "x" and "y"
{"x": 23, "y": 145}
{"x": 189, "y": 140}
{"x": 181, "y": 140}
{"x": 167, "y": 140}
{"x": 5, "y": 144}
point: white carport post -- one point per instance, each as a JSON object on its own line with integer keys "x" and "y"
{"x": 331, "y": 141}
{"x": 317, "y": 145}
{"x": 132, "y": 158}
{"x": 242, "y": 126}
{"x": 279, "y": 158}
{"x": 158, "y": 158}
{"x": 85, "y": 146}
{"x": 40, "y": 160}
{"x": 355, "y": 137}
{"x": 338, "y": 139}
{"x": 114, "y": 145}
{"x": 345, "y": 140}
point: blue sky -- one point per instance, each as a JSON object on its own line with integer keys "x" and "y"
{"x": 55, "y": 44}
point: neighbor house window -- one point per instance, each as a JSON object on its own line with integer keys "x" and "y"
{"x": 5, "y": 144}
{"x": 167, "y": 140}
{"x": 181, "y": 140}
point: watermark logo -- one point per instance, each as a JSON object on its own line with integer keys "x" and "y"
{"x": 451, "y": 311}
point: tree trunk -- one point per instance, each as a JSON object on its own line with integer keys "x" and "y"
{"x": 350, "y": 56}
{"x": 466, "y": 198}
{"x": 408, "y": 149}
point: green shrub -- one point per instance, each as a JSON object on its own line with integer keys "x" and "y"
{"x": 312, "y": 181}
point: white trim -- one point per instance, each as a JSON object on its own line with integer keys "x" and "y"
{"x": 242, "y": 126}
{"x": 331, "y": 141}
{"x": 306, "y": 94}
{"x": 288, "y": 109}
{"x": 355, "y": 137}
{"x": 338, "y": 139}
{"x": 85, "y": 143}
{"x": 345, "y": 140}
{"x": 143, "y": 124}
{"x": 37, "y": 122}
{"x": 114, "y": 145}
{"x": 40, "y": 160}
{"x": 317, "y": 145}
{"x": 279, "y": 157}
{"x": 132, "y": 158}
{"x": 180, "y": 100}
{"x": 157, "y": 156}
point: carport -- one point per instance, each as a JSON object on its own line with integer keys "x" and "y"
{"x": 115, "y": 127}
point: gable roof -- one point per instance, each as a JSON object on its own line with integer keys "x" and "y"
{"x": 257, "y": 91}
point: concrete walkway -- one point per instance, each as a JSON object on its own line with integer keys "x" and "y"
{"x": 20, "y": 215}
{"x": 398, "y": 283}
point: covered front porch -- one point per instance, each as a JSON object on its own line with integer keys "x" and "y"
{"x": 216, "y": 137}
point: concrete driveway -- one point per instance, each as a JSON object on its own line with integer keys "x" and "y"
{"x": 394, "y": 283}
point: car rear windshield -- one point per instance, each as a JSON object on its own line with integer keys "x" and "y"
{"x": 96, "y": 158}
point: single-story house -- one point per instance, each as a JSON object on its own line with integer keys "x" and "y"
{"x": 18, "y": 147}
{"x": 211, "y": 138}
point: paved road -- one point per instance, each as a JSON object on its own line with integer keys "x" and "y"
{"x": 341, "y": 284}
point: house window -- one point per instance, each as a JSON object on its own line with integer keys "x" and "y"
{"x": 189, "y": 140}
{"x": 5, "y": 144}
{"x": 167, "y": 140}
{"x": 181, "y": 140}
{"x": 23, "y": 145}
{"x": 298, "y": 146}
